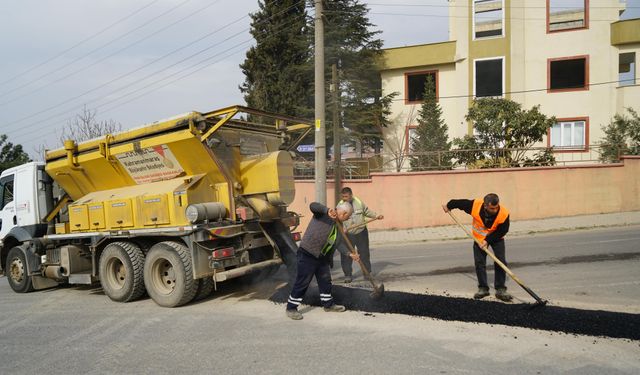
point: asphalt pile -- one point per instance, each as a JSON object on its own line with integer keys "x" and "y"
{"x": 549, "y": 318}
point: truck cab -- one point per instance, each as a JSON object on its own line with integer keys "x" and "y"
{"x": 24, "y": 201}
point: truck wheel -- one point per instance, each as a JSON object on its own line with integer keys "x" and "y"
{"x": 121, "y": 273}
{"x": 168, "y": 275}
{"x": 16, "y": 271}
{"x": 205, "y": 287}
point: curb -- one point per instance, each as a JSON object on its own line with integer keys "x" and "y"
{"x": 433, "y": 237}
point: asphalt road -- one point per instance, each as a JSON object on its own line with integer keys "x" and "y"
{"x": 78, "y": 330}
{"x": 598, "y": 268}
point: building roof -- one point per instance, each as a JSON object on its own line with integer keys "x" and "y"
{"x": 419, "y": 55}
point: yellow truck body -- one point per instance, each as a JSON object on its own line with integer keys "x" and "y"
{"x": 214, "y": 186}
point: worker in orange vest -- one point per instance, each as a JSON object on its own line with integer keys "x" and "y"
{"x": 490, "y": 225}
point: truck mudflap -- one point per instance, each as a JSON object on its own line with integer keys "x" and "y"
{"x": 280, "y": 235}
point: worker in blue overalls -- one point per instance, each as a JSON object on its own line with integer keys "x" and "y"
{"x": 314, "y": 256}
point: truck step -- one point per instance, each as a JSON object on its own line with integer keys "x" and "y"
{"x": 81, "y": 278}
{"x": 237, "y": 272}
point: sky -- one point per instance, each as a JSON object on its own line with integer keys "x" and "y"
{"x": 136, "y": 62}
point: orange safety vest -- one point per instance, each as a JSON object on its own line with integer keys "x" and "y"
{"x": 480, "y": 232}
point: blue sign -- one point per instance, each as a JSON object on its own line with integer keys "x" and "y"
{"x": 306, "y": 148}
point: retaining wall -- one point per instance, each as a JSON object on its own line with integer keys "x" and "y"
{"x": 412, "y": 200}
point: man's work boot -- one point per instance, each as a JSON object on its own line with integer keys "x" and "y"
{"x": 481, "y": 293}
{"x": 294, "y": 314}
{"x": 502, "y": 295}
{"x": 348, "y": 279}
{"x": 335, "y": 308}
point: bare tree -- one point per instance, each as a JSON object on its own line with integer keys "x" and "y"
{"x": 396, "y": 144}
{"x": 82, "y": 127}
{"x": 85, "y": 126}
{"x": 39, "y": 151}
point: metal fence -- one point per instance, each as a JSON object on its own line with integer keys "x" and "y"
{"x": 351, "y": 169}
{"x": 464, "y": 160}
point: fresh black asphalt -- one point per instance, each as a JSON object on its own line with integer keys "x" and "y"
{"x": 549, "y": 318}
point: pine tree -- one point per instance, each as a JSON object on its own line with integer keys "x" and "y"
{"x": 356, "y": 50}
{"x": 431, "y": 144}
{"x": 279, "y": 68}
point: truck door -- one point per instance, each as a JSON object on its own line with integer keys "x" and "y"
{"x": 25, "y": 189}
{"x": 8, "y": 217}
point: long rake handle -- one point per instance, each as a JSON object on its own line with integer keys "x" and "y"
{"x": 496, "y": 260}
{"x": 365, "y": 272}
{"x": 360, "y": 225}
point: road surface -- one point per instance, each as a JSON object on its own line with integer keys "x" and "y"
{"x": 78, "y": 330}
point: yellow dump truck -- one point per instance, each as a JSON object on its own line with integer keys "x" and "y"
{"x": 170, "y": 208}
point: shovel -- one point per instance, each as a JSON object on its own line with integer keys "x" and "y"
{"x": 539, "y": 301}
{"x": 378, "y": 290}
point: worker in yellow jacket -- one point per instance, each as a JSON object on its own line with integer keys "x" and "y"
{"x": 358, "y": 236}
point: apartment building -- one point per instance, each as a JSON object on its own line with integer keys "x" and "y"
{"x": 574, "y": 58}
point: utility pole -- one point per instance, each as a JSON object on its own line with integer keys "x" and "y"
{"x": 335, "y": 94}
{"x": 321, "y": 153}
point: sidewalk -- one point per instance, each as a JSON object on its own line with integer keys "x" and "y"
{"x": 517, "y": 228}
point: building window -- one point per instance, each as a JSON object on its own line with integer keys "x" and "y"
{"x": 415, "y": 85}
{"x": 568, "y": 74}
{"x": 488, "y": 18}
{"x": 564, "y": 15}
{"x": 627, "y": 69}
{"x": 488, "y": 77}
{"x": 570, "y": 134}
{"x": 411, "y": 136}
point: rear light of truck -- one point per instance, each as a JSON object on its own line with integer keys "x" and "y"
{"x": 225, "y": 252}
{"x": 297, "y": 236}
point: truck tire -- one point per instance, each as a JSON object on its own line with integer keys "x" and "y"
{"x": 17, "y": 273}
{"x": 168, "y": 274}
{"x": 205, "y": 288}
{"x": 121, "y": 271}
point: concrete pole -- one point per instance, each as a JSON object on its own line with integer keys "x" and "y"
{"x": 320, "y": 140}
{"x": 337, "y": 155}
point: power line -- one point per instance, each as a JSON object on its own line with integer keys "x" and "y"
{"x": 94, "y": 50}
{"x": 164, "y": 28}
{"x": 466, "y": 96}
{"x": 129, "y": 73}
{"x": 484, "y": 18}
{"x": 172, "y": 81}
{"x": 274, "y": 34}
{"x": 142, "y": 67}
{"x": 53, "y": 132}
{"x": 153, "y": 74}
{"x": 511, "y": 6}
{"x": 236, "y": 46}
{"x": 79, "y": 43}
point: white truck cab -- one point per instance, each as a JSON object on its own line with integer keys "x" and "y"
{"x": 23, "y": 200}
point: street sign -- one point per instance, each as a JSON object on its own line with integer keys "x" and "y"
{"x": 306, "y": 148}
